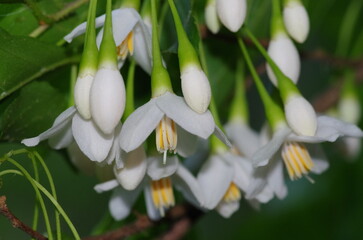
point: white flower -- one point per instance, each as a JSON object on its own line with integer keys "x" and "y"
{"x": 161, "y": 113}
{"x": 211, "y": 18}
{"x": 232, "y": 13}
{"x": 300, "y": 115}
{"x": 196, "y": 88}
{"x": 295, "y": 155}
{"x": 349, "y": 109}
{"x": 222, "y": 177}
{"x": 284, "y": 53}
{"x": 82, "y": 91}
{"x": 158, "y": 189}
{"x": 130, "y": 33}
{"x": 296, "y": 20}
{"x": 70, "y": 126}
{"x": 107, "y": 98}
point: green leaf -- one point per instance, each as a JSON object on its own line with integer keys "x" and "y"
{"x": 32, "y": 112}
{"x": 23, "y": 59}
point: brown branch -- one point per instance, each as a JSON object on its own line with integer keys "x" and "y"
{"x": 4, "y": 210}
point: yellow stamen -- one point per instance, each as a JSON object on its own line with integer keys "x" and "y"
{"x": 297, "y": 159}
{"x": 126, "y": 47}
{"x": 162, "y": 194}
{"x": 166, "y": 136}
{"x": 232, "y": 194}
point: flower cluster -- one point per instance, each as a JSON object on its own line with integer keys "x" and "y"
{"x": 104, "y": 131}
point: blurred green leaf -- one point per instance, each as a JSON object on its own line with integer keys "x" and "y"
{"x": 22, "y": 59}
{"x": 32, "y": 112}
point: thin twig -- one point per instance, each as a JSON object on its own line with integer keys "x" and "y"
{"x": 4, "y": 210}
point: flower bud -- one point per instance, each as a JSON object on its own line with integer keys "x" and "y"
{"x": 232, "y": 13}
{"x": 296, "y": 20}
{"x": 107, "y": 99}
{"x": 211, "y": 18}
{"x": 196, "y": 88}
{"x": 82, "y": 90}
{"x": 284, "y": 53}
{"x": 349, "y": 110}
{"x": 300, "y": 116}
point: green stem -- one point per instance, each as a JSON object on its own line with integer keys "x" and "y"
{"x": 89, "y": 58}
{"x": 239, "y": 108}
{"x": 38, "y": 195}
{"x": 286, "y": 86}
{"x": 36, "y": 208}
{"x": 186, "y": 51}
{"x": 37, "y": 186}
{"x": 54, "y": 193}
{"x": 72, "y": 84}
{"x": 38, "y": 13}
{"x": 160, "y": 79}
{"x": 130, "y": 106}
{"x": 42, "y": 71}
{"x": 274, "y": 114}
{"x": 277, "y": 25}
{"x": 107, "y": 55}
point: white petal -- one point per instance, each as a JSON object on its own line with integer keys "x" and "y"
{"x": 175, "y": 108}
{"x": 265, "y": 153}
{"x": 152, "y": 212}
{"x": 188, "y": 185}
{"x": 139, "y": 125}
{"x": 227, "y": 209}
{"x": 107, "y": 99}
{"x": 106, "y": 186}
{"x": 121, "y": 202}
{"x": 156, "y": 169}
{"x": 93, "y": 142}
{"x": 318, "y": 157}
{"x": 284, "y": 53}
{"x": 243, "y": 172}
{"x": 196, "y": 88}
{"x": 142, "y": 47}
{"x": 300, "y": 116}
{"x": 82, "y": 91}
{"x": 275, "y": 178}
{"x": 134, "y": 169}
{"x": 81, "y": 29}
{"x": 60, "y": 124}
{"x": 349, "y": 109}
{"x": 232, "y": 13}
{"x": 220, "y": 134}
{"x": 115, "y": 154}
{"x": 80, "y": 160}
{"x": 123, "y": 22}
{"x": 258, "y": 187}
{"x": 211, "y": 17}
{"x": 296, "y": 20}
{"x": 243, "y": 137}
{"x": 63, "y": 138}
{"x": 187, "y": 143}
{"x": 214, "y": 179}
{"x": 329, "y": 129}
{"x": 352, "y": 146}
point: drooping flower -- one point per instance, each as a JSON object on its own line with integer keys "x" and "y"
{"x": 295, "y": 155}
{"x": 211, "y": 17}
{"x": 157, "y": 185}
{"x": 296, "y": 20}
{"x": 232, "y": 13}
{"x": 130, "y": 33}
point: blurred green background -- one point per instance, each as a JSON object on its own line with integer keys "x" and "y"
{"x": 332, "y": 208}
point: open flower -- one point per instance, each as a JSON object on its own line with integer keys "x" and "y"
{"x": 163, "y": 114}
{"x": 294, "y": 153}
{"x": 130, "y": 33}
{"x": 222, "y": 178}
{"x": 157, "y": 185}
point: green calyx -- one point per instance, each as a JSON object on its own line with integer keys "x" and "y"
{"x": 89, "y": 60}
{"x": 277, "y": 24}
{"x": 216, "y": 146}
{"x": 130, "y": 106}
{"x": 160, "y": 79}
{"x": 186, "y": 52}
{"x": 286, "y": 86}
{"x": 108, "y": 56}
{"x": 274, "y": 113}
{"x": 239, "y": 107}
